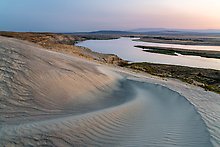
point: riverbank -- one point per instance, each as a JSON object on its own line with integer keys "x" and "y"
{"x": 184, "y": 39}
{"x": 63, "y": 43}
{"x": 206, "y": 78}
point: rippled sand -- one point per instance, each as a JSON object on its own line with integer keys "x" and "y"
{"x": 48, "y": 98}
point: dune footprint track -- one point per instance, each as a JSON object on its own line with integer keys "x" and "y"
{"x": 56, "y": 100}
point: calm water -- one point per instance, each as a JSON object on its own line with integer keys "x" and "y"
{"x": 124, "y": 48}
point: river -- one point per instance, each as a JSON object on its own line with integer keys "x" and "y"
{"x": 124, "y": 48}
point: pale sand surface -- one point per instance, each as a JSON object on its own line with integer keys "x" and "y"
{"x": 48, "y": 98}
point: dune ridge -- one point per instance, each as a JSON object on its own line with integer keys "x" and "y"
{"x": 53, "y": 99}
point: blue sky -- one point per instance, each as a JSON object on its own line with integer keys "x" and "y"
{"x": 90, "y": 15}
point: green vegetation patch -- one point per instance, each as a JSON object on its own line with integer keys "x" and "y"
{"x": 209, "y": 79}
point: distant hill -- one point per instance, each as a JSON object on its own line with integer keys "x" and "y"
{"x": 174, "y": 31}
{"x": 151, "y": 31}
{"x": 112, "y": 32}
{"x": 143, "y": 30}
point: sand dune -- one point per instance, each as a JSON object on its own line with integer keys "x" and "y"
{"x": 48, "y": 98}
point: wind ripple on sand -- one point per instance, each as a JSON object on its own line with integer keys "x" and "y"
{"x": 56, "y": 100}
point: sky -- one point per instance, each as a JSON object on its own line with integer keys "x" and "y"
{"x": 92, "y": 15}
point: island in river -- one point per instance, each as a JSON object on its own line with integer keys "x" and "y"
{"x": 176, "y": 51}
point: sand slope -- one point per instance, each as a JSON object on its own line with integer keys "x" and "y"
{"x": 53, "y": 99}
